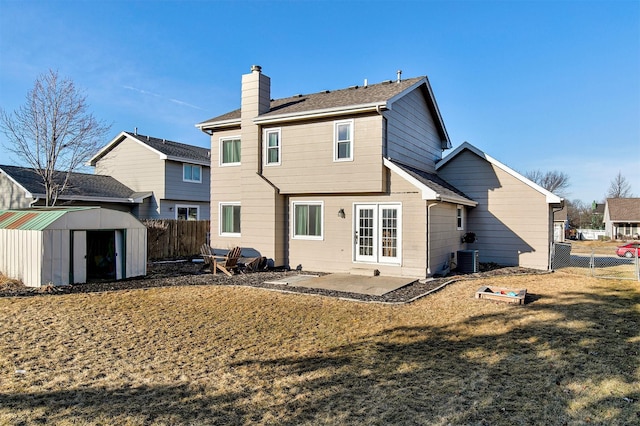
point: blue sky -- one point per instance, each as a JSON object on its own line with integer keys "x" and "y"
{"x": 537, "y": 85}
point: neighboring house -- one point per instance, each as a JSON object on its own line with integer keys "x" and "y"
{"x": 560, "y": 224}
{"x": 353, "y": 181}
{"x": 622, "y": 218}
{"x": 178, "y": 175}
{"x": 22, "y": 187}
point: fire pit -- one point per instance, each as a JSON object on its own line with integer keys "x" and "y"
{"x": 502, "y": 294}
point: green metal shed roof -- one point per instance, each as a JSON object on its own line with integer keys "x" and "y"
{"x": 37, "y": 219}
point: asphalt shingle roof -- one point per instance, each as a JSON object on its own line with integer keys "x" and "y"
{"x": 624, "y": 209}
{"x": 172, "y": 148}
{"x": 356, "y": 95}
{"x": 80, "y": 184}
{"x": 433, "y": 181}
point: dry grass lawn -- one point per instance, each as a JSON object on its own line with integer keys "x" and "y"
{"x": 225, "y": 355}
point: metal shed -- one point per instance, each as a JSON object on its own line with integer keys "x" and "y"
{"x": 60, "y": 246}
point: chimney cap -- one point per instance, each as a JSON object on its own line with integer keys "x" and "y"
{"x": 256, "y": 68}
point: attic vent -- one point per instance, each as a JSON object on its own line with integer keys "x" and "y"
{"x": 353, "y": 87}
{"x": 327, "y": 91}
{"x": 299, "y": 95}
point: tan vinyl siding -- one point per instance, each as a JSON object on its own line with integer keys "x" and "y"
{"x": 177, "y": 189}
{"x": 445, "y": 236}
{"x": 12, "y": 196}
{"x": 334, "y": 253}
{"x": 412, "y": 136}
{"x": 135, "y": 166}
{"x": 512, "y": 220}
{"x": 307, "y": 158}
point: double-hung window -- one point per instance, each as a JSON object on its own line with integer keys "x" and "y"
{"x": 191, "y": 173}
{"x": 230, "y": 151}
{"x": 343, "y": 140}
{"x": 460, "y": 217}
{"x": 230, "y": 219}
{"x": 307, "y": 220}
{"x": 272, "y": 147}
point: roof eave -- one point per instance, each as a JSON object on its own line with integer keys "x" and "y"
{"x": 322, "y": 113}
{"x": 212, "y": 125}
{"x": 426, "y": 192}
{"x": 186, "y": 160}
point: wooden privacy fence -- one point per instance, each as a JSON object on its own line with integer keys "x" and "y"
{"x": 172, "y": 239}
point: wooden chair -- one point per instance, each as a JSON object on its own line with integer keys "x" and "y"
{"x": 207, "y": 255}
{"x": 227, "y": 263}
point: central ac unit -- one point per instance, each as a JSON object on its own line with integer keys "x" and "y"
{"x": 468, "y": 261}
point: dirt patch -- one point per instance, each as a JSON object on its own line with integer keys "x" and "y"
{"x": 191, "y": 274}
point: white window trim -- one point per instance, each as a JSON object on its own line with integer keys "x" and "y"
{"x": 293, "y": 220}
{"x": 191, "y": 180}
{"x": 228, "y": 234}
{"x": 266, "y": 147}
{"x": 460, "y": 208}
{"x": 187, "y": 206}
{"x": 220, "y": 142}
{"x": 335, "y": 140}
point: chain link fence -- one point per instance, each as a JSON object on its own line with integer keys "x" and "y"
{"x": 599, "y": 262}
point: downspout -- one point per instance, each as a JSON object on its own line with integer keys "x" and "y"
{"x": 429, "y": 272}
{"x": 384, "y": 136}
{"x": 32, "y": 202}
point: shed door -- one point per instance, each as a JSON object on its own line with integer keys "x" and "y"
{"x": 79, "y": 256}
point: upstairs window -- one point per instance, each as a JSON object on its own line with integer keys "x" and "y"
{"x": 191, "y": 173}
{"x": 272, "y": 147}
{"x": 230, "y": 152}
{"x": 343, "y": 141}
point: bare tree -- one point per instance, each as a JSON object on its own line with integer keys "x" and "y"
{"x": 619, "y": 187}
{"x": 53, "y": 131}
{"x": 553, "y": 181}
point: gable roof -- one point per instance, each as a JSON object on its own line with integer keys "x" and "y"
{"x": 165, "y": 149}
{"x": 432, "y": 186}
{"x": 81, "y": 186}
{"x": 354, "y": 99}
{"x": 624, "y": 209}
{"x": 550, "y": 197}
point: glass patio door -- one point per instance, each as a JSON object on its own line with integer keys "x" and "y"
{"x": 378, "y": 231}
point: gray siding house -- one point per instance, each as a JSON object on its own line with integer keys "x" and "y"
{"x": 22, "y": 187}
{"x": 176, "y": 174}
{"x": 353, "y": 180}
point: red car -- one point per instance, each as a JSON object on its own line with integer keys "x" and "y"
{"x": 628, "y": 250}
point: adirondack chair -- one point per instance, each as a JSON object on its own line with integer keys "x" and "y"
{"x": 207, "y": 255}
{"x": 227, "y": 263}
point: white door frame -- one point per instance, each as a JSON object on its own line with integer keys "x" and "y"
{"x": 376, "y": 236}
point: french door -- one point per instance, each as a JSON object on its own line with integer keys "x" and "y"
{"x": 378, "y": 233}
